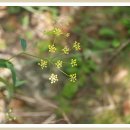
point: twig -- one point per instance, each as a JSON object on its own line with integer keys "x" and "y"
{"x": 66, "y": 118}
{"x": 50, "y": 119}
{"x": 117, "y": 52}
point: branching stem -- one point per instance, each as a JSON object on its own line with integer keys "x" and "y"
{"x": 25, "y": 53}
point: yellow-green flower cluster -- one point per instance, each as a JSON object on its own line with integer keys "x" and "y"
{"x": 53, "y": 78}
{"x": 57, "y": 31}
{"x": 73, "y": 62}
{"x": 59, "y": 64}
{"x": 76, "y": 46}
{"x": 66, "y": 50}
{"x": 9, "y": 115}
{"x": 52, "y": 48}
{"x": 43, "y": 64}
{"x": 73, "y": 77}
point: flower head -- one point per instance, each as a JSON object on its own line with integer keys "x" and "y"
{"x": 73, "y": 77}
{"x": 76, "y": 46}
{"x": 66, "y": 50}
{"x": 73, "y": 62}
{"x": 10, "y": 116}
{"x": 57, "y": 31}
{"x": 53, "y": 78}
{"x": 52, "y": 48}
{"x": 59, "y": 64}
{"x": 43, "y": 64}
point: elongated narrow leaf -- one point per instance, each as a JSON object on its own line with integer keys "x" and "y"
{"x": 19, "y": 83}
{"x": 23, "y": 43}
{"x": 11, "y": 67}
{"x": 7, "y": 64}
{"x": 9, "y": 87}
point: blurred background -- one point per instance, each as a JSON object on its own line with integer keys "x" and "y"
{"x": 101, "y": 94}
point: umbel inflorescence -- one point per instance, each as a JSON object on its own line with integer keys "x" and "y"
{"x": 57, "y": 61}
{"x": 57, "y": 56}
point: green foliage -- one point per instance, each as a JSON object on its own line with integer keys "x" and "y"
{"x": 14, "y": 9}
{"x": 101, "y": 44}
{"x": 115, "y": 43}
{"x": 126, "y": 22}
{"x": 10, "y": 66}
{"x": 10, "y": 87}
{"x": 19, "y": 83}
{"x": 119, "y": 11}
{"x": 7, "y": 64}
{"x": 107, "y": 32}
{"x": 23, "y": 44}
{"x": 25, "y": 21}
{"x": 69, "y": 89}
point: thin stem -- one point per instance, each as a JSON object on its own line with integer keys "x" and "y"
{"x": 59, "y": 69}
{"x": 63, "y": 72}
{"x": 14, "y": 56}
{"x": 56, "y": 57}
{"x": 32, "y": 55}
{"x": 53, "y": 43}
{"x": 25, "y": 53}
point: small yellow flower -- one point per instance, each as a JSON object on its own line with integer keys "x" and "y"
{"x": 52, "y": 48}
{"x": 73, "y": 62}
{"x": 76, "y": 45}
{"x": 73, "y": 77}
{"x": 59, "y": 64}
{"x": 57, "y": 31}
{"x": 66, "y": 50}
{"x": 67, "y": 34}
{"x": 43, "y": 64}
{"x": 9, "y": 115}
{"x": 53, "y": 78}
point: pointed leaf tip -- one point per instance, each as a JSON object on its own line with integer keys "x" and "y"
{"x": 23, "y": 44}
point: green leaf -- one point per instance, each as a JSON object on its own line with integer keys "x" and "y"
{"x": 7, "y": 64}
{"x": 115, "y": 43}
{"x": 126, "y": 22}
{"x": 25, "y": 21}
{"x": 9, "y": 87}
{"x": 11, "y": 67}
{"x": 107, "y": 32}
{"x": 19, "y": 83}
{"x": 23, "y": 43}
